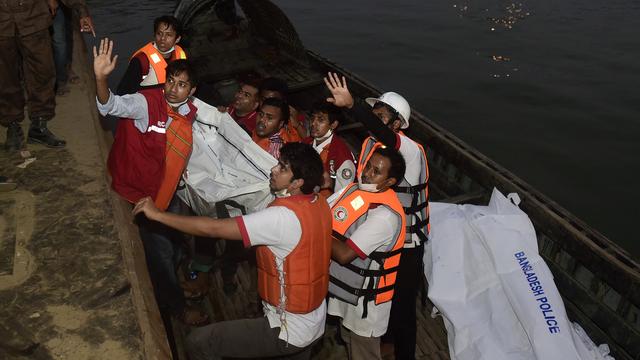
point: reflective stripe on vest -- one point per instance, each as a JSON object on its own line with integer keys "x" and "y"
{"x": 157, "y": 61}
{"x": 306, "y": 268}
{"x": 417, "y": 201}
{"x": 177, "y": 151}
{"x": 347, "y": 282}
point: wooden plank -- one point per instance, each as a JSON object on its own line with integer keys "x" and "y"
{"x": 154, "y": 337}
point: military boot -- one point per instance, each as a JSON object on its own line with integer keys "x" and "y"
{"x": 38, "y": 133}
{"x": 15, "y": 137}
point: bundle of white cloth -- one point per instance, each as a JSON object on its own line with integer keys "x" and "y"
{"x": 225, "y": 165}
{"x": 495, "y": 293}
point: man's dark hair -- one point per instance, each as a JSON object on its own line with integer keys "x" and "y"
{"x": 398, "y": 166}
{"x": 171, "y": 22}
{"x": 305, "y": 164}
{"x": 322, "y": 106}
{"x": 282, "y": 105}
{"x": 395, "y": 115}
{"x": 177, "y": 67}
{"x": 274, "y": 84}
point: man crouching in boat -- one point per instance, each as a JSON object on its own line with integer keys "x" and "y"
{"x": 147, "y": 158}
{"x": 293, "y": 246}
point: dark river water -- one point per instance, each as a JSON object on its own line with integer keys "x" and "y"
{"x": 548, "y": 89}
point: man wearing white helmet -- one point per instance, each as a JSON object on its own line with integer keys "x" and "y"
{"x": 390, "y": 114}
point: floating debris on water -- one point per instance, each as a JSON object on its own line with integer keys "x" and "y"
{"x": 500, "y": 58}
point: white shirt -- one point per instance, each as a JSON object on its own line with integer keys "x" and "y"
{"x": 279, "y": 229}
{"x": 135, "y": 107}
{"x": 376, "y": 233}
{"x": 414, "y": 163}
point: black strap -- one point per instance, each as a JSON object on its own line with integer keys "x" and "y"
{"x": 409, "y": 210}
{"x": 223, "y": 213}
{"x": 368, "y": 272}
{"x": 410, "y": 189}
{"x": 339, "y": 236}
{"x": 417, "y": 229}
{"x": 369, "y": 293}
{"x": 378, "y": 256}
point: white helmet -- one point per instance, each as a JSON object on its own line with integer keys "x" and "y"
{"x": 397, "y": 102}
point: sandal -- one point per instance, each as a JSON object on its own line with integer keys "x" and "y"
{"x": 193, "y": 317}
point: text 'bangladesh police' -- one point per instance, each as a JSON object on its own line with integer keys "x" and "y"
{"x": 538, "y": 292}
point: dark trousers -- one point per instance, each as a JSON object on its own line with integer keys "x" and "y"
{"x": 245, "y": 338}
{"x": 31, "y": 57}
{"x": 402, "y": 320}
{"x": 162, "y": 252}
{"x": 62, "y": 39}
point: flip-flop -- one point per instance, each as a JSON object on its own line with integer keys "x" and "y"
{"x": 7, "y": 184}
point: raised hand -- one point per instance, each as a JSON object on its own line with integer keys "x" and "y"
{"x": 341, "y": 95}
{"x": 103, "y": 64}
{"x": 146, "y": 206}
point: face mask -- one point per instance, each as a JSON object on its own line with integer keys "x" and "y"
{"x": 329, "y": 133}
{"x": 366, "y": 187}
{"x": 282, "y": 193}
{"x": 164, "y": 52}
{"x": 177, "y": 105}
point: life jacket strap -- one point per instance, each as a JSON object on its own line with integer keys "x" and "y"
{"x": 368, "y": 272}
{"x": 369, "y": 293}
{"x": 410, "y": 189}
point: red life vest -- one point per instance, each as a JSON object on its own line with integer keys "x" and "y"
{"x": 137, "y": 160}
{"x": 156, "y": 61}
{"x": 248, "y": 122}
{"x": 333, "y": 155}
{"x": 306, "y": 268}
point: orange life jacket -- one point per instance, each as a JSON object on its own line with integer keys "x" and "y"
{"x": 349, "y": 212}
{"x": 157, "y": 61}
{"x": 306, "y": 268}
{"x": 414, "y": 198}
{"x": 177, "y": 151}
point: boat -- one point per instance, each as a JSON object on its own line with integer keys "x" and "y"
{"x": 598, "y": 280}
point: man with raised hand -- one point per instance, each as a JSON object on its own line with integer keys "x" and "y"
{"x": 147, "y": 159}
{"x": 385, "y": 117}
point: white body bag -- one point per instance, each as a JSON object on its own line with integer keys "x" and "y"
{"x": 225, "y": 168}
{"x": 494, "y": 291}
